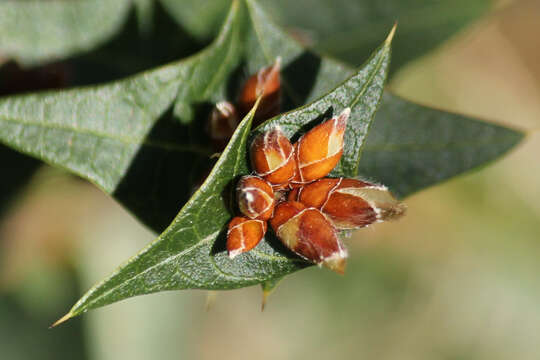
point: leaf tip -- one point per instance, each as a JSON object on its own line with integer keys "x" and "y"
{"x": 64, "y": 318}
{"x": 390, "y": 36}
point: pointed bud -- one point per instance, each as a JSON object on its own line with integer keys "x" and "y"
{"x": 255, "y": 198}
{"x": 244, "y": 234}
{"x": 308, "y": 233}
{"x": 265, "y": 82}
{"x": 222, "y": 122}
{"x": 351, "y": 203}
{"x": 320, "y": 149}
{"x": 272, "y": 158}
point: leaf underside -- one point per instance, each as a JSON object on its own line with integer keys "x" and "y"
{"x": 141, "y": 140}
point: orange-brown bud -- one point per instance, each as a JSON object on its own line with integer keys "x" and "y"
{"x": 293, "y": 194}
{"x": 308, "y": 233}
{"x": 351, "y": 203}
{"x": 320, "y": 149}
{"x": 272, "y": 158}
{"x": 255, "y": 198}
{"x": 222, "y": 122}
{"x": 244, "y": 234}
{"x": 265, "y": 82}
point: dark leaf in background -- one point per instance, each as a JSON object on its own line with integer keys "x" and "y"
{"x": 349, "y": 29}
{"x": 33, "y": 32}
{"x": 411, "y": 147}
{"x": 16, "y": 171}
{"x": 123, "y": 137}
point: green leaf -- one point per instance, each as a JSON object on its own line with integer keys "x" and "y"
{"x": 201, "y": 18}
{"x": 35, "y": 31}
{"x": 191, "y": 252}
{"x": 125, "y": 137}
{"x": 350, "y": 29}
{"x": 411, "y": 147}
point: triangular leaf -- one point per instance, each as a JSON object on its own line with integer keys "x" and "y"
{"x": 120, "y": 136}
{"x": 411, "y": 147}
{"x": 191, "y": 252}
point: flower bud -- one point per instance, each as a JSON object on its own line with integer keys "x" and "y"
{"x": 265, "y": 82}
{"x": 308, "y": 233}
{"x": 244, "y": 234}
{"x": 320, "y": 149}
{"x": 351, "y": 203}
{"x": 222, "y": 122}
{"x": 272, "y": 158}
{"x": 255, "y": 198}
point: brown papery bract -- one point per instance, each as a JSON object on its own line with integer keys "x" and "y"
{"x": 244, "y": 234}
{"x": 319, "y": 150}
{"x": 308, "y": 233}
{"x": 266, "y": 83}
{"x": 351, "y": 203}
{"x": 255, "y": 198}
{"x": 222, "y": 122}
{"x": 272, "y": 158}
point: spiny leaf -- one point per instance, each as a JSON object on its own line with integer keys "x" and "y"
{"x": 411, "y": 147}
{"x": 36, "y": 31}
{"x": 191, "y": 252}
{"x": 121, "y": 136}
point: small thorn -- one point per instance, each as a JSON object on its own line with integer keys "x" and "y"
{"x": 264, "y": 299}
{"x": 391, "y": 34}
{"x": 210, "y": 300}
{"x": 61, "y": 320}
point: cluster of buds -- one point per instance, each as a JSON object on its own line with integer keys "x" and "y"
{"x": 304, "y": 208}
{"x": 225, "y": 116}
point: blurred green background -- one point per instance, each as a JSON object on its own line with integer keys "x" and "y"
{"x": 457, "y": 278}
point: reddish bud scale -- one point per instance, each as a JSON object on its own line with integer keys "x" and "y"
{"x": 243, "y": 235}
{"x": 308, "y": 233}
{"x": 351, "y": 203}
{"x": 319, "y": 150}
{"x": 222, "y": 122}
{"x": 272, "y": 158}
{"x": 255, "y": 198}
{"x": 266, "y": 83}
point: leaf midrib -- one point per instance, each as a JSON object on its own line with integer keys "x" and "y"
{"x": 170, "y": 146}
